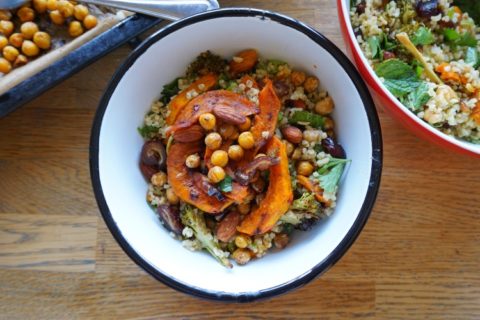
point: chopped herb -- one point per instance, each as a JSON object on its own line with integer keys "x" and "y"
{"x": 205, "y": 63}
{"x": 169, "y": 90}
{"x": 226, "y": 184}
{"x": 305, "y": 117}
{"x": 375, "y": 48}
{"x": 306, "y": 203}
{"x": 387, "y": 44}
{"x": 423, "y": 36}
{"x": 147, "y": 131}
{"x": 330, "y": 174}
{"x": 280, "y": 117}
{"x": 454, "y": 38}
{"x": 418, "y": 98}
{"x": 287, "y": 228}
{"x": 273, "y": 65}
{"x": 472, "y": 57}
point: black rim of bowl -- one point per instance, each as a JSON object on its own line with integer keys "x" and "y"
{"x": 365, "y": 210}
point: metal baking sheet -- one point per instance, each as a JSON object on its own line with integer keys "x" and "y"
{"x": 76, "y": 60}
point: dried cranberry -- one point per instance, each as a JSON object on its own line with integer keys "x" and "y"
{"x": 428, "y": 8}
{"x": 361, "y": 7}
{"x": 333, "y": 148}
{"x": 388, "y": 55}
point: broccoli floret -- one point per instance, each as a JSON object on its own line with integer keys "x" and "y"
{"x": 205, "y": 63}
{"x": 306, "y": 202}
{"x": 196, "y": 221}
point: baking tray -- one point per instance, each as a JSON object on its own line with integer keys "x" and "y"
{"x": 119, "y": 34}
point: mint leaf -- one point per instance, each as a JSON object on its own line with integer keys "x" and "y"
{"x": 394, "y": 69}
{"x": 400, "y": 88}
{"x": 375, "y": 49}
{"x": 418, "y": 98}
{"x": 226, "y": 184}
{"x": 472, "y": 57}
{"x": 423, "y": 36}
{"x": 468, "y": 40}
{"x": 305, "y": 117}
{"x": 451, "y": 34}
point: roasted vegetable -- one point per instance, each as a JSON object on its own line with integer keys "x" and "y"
{"x": 306, "y": 203}
{"x": 246, "y": 173}
{"x": 196, "y": 221}
{"x": 313, "y": 188}
{"x": 278, "y": 197}
{"x": 181, "y": 100}
{"x": 206, "y": 102}
{"x": 243, "y": 61}
{"x": 182, "y": 181}
{"x": 170, "y": 217}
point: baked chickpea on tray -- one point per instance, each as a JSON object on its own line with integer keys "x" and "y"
{"x": 240, "y": 153}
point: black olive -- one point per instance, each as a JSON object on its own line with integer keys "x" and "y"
{"x": 428, "y": 8}
{"x": 333, "y": 148}
{"x": 153, "y": 154}
{"x": 148, "y": 171}
{"x": 281, "y": 88}
{"x": 170, "y": 217}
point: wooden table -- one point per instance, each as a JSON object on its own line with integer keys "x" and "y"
{"x": 418, "y": 256}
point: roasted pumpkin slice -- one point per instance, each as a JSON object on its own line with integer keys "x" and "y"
{"x": 181, "y": 100}
{"x": 237, "y": 104}
{"x": 183, "y": 182}
{"x": 279, "y": 194}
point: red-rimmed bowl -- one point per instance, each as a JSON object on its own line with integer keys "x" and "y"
{"x": 383, "y": 98}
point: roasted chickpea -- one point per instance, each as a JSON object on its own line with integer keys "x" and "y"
{"x": 328, "y": 124}
{"x": 3, "y": 42}
{"x": 226, "y": 130}
{"x": 219, "y": 158}
{"x": 20, "y": 61}
{"x": 89, "y": 22}
{"x": 297, "y": 78}
{"x": 242, "y": 241}
{"x": 5, "y": 15}
{"x": 75, "y": 29}
{"x": 324, "y": 106}
{"x": 42, "y": 40}
{"x": 245, "y": 126}
{"x": 289, "y": 146}
{"x": 6, "y": 27}
{"x": 159, "y": 179}
{"x": 52, "y": 5}
{"x": 311, "y": 84}
{"x": 297, "y": 154}
{"x": 243, "y": 208}
{"x": 304, "y": 168}
{"x": 80, "y": 12}
{"x": 10, "y": 53}
{"x": 311, "y": 135}
{"x": 28, "y": 29}
{"x": 57, "y": 17}
{"x": 16, "y": 39}
{"x": 65, "y": 8}
{"x": 246, "y": 140}
{"x": 172, "y": 198}
{"x": 235, "y": 152}
{"x": 207, "y": 121}
{"x": 213, "y": 140}
{"x": 241, "y": 256}
{"x": 193, "y": 161}
{"x": 26, "y": 14}
{"x": 40, "y": 5}
{"x": 216, "y": 174}
{"x": 281, "y": 240}
{"x": 30, "y": 49}
{"x": 5, "y": 66}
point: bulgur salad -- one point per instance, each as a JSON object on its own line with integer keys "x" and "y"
{"x": 427, "y": 54}
{"x": 240, "y": 153}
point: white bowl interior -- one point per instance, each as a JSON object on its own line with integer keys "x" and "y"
{"x": 475, "y": 148}
{"x": 119, "y": 147}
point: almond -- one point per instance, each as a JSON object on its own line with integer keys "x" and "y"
{"x": 190, "y": 134}
{"x": 229, "y": 115}
{"x": 228, "y": 226}
{"x": 292, "y": 134}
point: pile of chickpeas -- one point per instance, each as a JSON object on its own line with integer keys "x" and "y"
{"x": 213, "y": 141}
{"x": 21, "y": 38}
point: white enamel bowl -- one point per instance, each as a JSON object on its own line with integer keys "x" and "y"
{"x": 115, "y": 147}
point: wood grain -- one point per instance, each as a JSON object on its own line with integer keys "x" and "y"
{"x": 418, "y": 257}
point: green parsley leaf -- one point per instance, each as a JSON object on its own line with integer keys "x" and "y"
{"x": 454, "y": 38}
{"x": 305, "y": 117}
{"x": 423, "y": 36}
{"x": 169, "y": 90}
{"x": 226, "y": 184}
